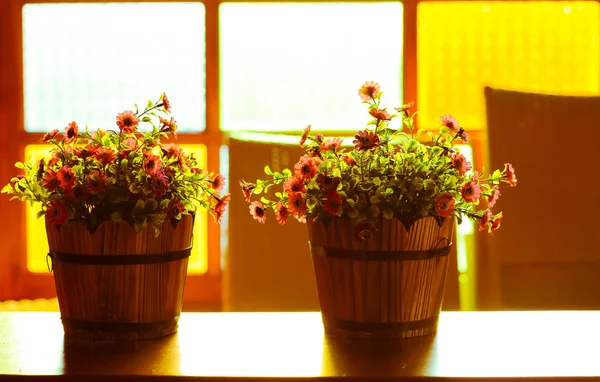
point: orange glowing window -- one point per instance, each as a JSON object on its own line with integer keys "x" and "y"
{"x": 540, "y": 46}
{"x": 37, "y": 247}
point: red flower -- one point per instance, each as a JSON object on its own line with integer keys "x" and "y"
{"x": 493, "y": 198}
{"x": 51, "y": 182}
{"x": 49, "y": 136}
{"x": 306, "y": 168}
{"x": 166, "y": 103}
{"x": 496, "y": 222}
{"x": 281, "y": 213}
{"x": 169, "y": 126}
{"x": 509, "y": 171}
{"x": 85, "y": 152}
{"x": 450, "y": 122}
{"x": 57, "y": 212}
{"x": 327, "y": 183}
{"x": 331, "y": 144}
{"x": 171, "y": 150}
{"x": 380, "y": 114}
{"x": 485, "y": 219}
{"x": 293, "y": 184}
{"x": 369, "y": 91}
{"x": 96, "y": 181}
{"x": 365, "y": 140}
{"x": 104, "y": 155}
{"x": 220, "y": 207}
{"x": 65, "y": 177}
{"x": 71, "y": 132}
{"x": 304, "y": 135}
{"x": 127, "y": 121}
{"x": 246, "y": 190}
{"x": 218, "y": 182}
{"x": 296, "y": 204}
{"x": 151, "y": 164}
{"x": 333, "y": 203}
{"x": 461, "y": 164}
{"x": 471, "y": 192}
{"x": 75, "y": 194}
{"x": 444, "y": 206}
{"x": 349, "y": 160}
{"x": 257, "y": 210}
{"x": 175, "y": 208}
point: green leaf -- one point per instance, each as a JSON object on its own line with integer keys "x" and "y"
{"x": 388, "y": 213}
{"x": 7, "y": 189}
{"x": 287, "y": 173}
{"x": 268, "y": 170}
{"x": 140, "y": 205}
{"x": 19, "y": 165}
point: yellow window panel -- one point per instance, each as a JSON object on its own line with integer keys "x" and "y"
{"x": 539, "y": 46}
{"x": 37, "y": 246}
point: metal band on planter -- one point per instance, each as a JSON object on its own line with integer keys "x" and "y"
{"x": 121, "y": 327}
{"x": 119, "y": 259}
{"x": 365, "y": 255}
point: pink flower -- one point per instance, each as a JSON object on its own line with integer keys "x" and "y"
{"x": 71, "y": 132}
{"x": 493, "y": 198}
{"x": 509, "y": 171}
{"x": 365, "y": 140}
{"x": 296, "y": 204}
{"x": 444, "y": 206}
{"x": 127, "y": 121}
{"x": 380, "y": 114}
{"x": 281, "y": 213}
{"x": 85, "y": 152}
{"x": 152, "y": 163}
{"x": 306, "y": 168}
{"x": 333, "y": 203}
{"x": 159, "y": 184}
{"x": 104, "y": 155}
{"x": 462, "y": 134}
{"x": 57, "y": 212}
{"x": 131, "y": 142}
{"x": 485, "y": 219}
{"x": 257, "y": 210}
{"x": 369, "y": 91}
{"x": 218, "y": 183}
{"x": 471, "y": 192}
{"x": 349, "y": 160}
{"x": 49, "y": 136}
{"x": 65, "y": 177}
{"x": 450, "y": 122}
{"x": 304, "y": 135}
{"x": 168, "y": 126}
{"x": 293, "y": 184}
{"x": 461, "y": 164}
{"x": 221, "y": 206}
{"x": 331, "y": 144}
{"x": 405, "y": 108}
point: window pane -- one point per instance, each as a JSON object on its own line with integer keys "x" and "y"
{"x": 88, "y": 62}
{"x": 284, "y": 66}
{"x": 37, "y": 245}
{"x": 540, "y": 46}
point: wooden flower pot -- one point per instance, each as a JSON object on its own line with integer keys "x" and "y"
{"x": 380, "y": 280}
{"x": 117, "y": 284}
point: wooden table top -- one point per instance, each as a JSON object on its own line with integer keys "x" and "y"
{"x": 248, "y": 346}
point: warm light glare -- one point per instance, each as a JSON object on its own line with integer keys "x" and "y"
{"x": 539, "y": 46}
{"x": 254, "y": 343}
{"x": 37, "y": 245}
{"x": 87, "y": 62}
{"x": 286, "y": 65}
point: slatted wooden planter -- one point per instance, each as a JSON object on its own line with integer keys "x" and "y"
{"x": 118, "y": 284}
{"x": 380, "y": 281}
